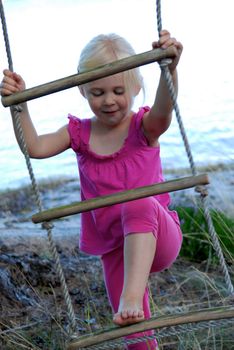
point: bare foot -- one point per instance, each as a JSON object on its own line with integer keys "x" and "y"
{"x": 128, "y": 313}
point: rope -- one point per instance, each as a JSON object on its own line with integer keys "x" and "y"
{"x": 203, "y": 193}
{"x": 165, "y": 332}
{"x": 16, "y": 110}
{"x": 48, "y": 226}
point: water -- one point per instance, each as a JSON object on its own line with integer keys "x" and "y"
{"x": 46, "y": 38}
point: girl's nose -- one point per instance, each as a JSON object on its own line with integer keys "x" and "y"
{"x": 109, "y": 99}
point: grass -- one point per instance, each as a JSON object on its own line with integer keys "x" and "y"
{"x": 194, "y": 282}
{"x": 197, "y": 243}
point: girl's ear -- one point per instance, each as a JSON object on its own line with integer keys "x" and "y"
{"x": 82, "y": 91}
{"x": 137, "y": 89}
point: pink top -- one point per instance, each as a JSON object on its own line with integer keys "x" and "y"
{"x": 135, "y": 164}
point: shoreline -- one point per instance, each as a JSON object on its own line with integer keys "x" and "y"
{"x": 168, "y": 172}
{"x": 220, "y": 175}
{"x": 17, "y": 206}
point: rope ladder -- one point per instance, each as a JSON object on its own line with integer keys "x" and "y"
{"x": 216, "y": 315}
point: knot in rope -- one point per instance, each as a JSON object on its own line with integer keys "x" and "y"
{"x": 47, "y": 225}
{"x": 17, "y": 108}
{"x": 165, "y": 62}
{"x": 202, "y": 190}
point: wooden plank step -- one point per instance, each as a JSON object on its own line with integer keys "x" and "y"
{"x": 94, "y": 74}
{"x": 211, "y": 314}
{"x": 120, "y": 197}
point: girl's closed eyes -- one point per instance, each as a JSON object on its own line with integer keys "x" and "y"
{"x": 100, "y": 92}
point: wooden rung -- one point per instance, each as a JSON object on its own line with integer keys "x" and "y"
{"x": 217, "y": 313}
{"x": 120, "y": 197}
{"x": 82, "y": 78}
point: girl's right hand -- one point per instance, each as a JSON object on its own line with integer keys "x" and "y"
{"x": 165, "y": 41}
{"x": 11, "y": 83}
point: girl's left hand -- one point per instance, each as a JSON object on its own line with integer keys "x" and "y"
{"x": 165, "y": 41}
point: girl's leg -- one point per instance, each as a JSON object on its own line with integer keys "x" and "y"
{"x": 147, "y": 215}
{"x": 139, "y": 252}
{"x": 145, "y": 222}
{"x": 150, "y": 218}
{"x": 113, "y": 267}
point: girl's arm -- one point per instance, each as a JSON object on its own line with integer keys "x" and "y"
{"x": 158, "y": 119}
{"x": 39, "y": 146}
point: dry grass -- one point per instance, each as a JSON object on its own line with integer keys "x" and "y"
{"x": 186, "y": 286}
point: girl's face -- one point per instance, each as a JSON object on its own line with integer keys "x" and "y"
{"x": 109, "y": 99}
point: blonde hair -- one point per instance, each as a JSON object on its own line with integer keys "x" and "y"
{"x": 106, "y": 48}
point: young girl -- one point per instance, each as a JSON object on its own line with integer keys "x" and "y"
{"x": 117, "y": 149}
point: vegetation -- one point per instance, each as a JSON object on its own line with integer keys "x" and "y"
{"x": 197, "y": 243}
{"x": 194, "y": 282}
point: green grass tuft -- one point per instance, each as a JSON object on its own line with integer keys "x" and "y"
{"x": 197, "y": 243}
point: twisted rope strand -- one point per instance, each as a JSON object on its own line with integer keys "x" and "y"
{"x": 16, "y": 110}
{"x": 48, "y": 226}
{"x": 203, "y": 193}
{"x": 6, "y": 37}
{"x": 165, "y": 332}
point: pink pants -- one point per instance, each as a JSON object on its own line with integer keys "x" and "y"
{"x": 142, "y": 216}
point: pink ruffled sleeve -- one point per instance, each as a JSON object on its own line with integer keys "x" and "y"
{"x": 140, "y": 114}
{"x": 139, "y": 117}
{"x": 74, "y": 132}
